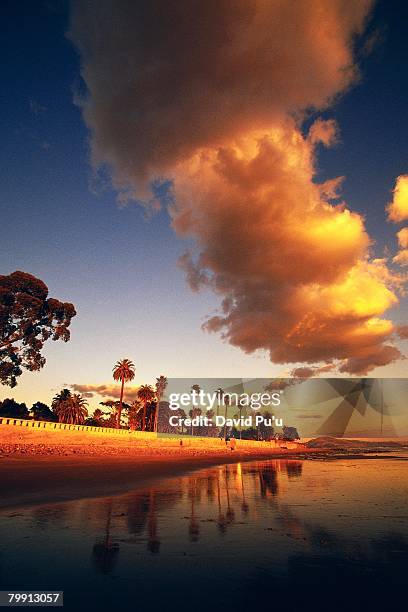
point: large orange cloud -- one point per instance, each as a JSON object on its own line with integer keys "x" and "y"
{"x": 212, "y": 95}
{"x": 167, "y": 77}
{"x": 293, "y": 269}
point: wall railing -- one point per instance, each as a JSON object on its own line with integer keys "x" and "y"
{"x": 48, "y": 425}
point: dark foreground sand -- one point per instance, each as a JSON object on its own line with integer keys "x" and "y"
{"x": 33, "y": 475}
{"x": 27, "y": 479}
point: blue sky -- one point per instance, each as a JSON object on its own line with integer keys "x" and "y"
{"x": 118, "y": 268}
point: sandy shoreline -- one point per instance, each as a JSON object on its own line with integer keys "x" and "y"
{"x": 35, "y": 478}
{"x": 28, "y": 480}
{"x": 41, "y": 466}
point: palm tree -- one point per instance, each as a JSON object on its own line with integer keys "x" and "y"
{"x": 241, "y": 405}
{"x": 161, "y": 384}
{"x": 124, "y": 370}
{"x": 195, "y": 411}
{"x": 146, "y": 395}
{"x": 61, "y": 397}
{"x": 59, "y": 400}
{"x": 197, "y": 389}
{"x": 72, "y": 409}
{"x": 220, "y": 394}
{"x": 227, "y": 403}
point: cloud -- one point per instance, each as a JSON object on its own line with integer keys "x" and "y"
{"x": 402, "y": 331}
{"x": 110, "y": 391}
{"x": 293, "y": 270}
{"x": 398, "y": 207}
{"x": 210, "y": 96}
{"x": 324, "y": 132}
{"x": 401, "y": 257}
{"x": 164, "y": 80}
{"x": 308, "y": 372}
{"x": 402, "y": 237}
{"x": 369, "y": 359}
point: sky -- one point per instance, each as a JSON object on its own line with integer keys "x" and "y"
{"x": 77, "y": 151}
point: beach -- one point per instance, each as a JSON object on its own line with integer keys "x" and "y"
{"x": 38, "y": 467}
{"x": 236, "y": 532}
{"x": 37, "y": 473}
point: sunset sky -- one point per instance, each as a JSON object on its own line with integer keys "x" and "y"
{"x": 175, "y": 174}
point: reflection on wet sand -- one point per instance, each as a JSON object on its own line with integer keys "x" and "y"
{"x": 105, "y": 552}
{"x": 281, "y": 527}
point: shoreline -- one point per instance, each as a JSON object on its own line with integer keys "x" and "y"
{"x": 33, "y": 479}
{"x": 29, "y": 479}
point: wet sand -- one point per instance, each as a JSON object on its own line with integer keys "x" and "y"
{"x": 51, "y": 478}
{"x": 39, "y": 473}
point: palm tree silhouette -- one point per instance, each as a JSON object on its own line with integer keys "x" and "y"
{"x": 146, "y": 395}
{"x": 70, "y": 408}
{"x": 195, "y": 410}
{"x": 123, "y": 370}
{"x": 226, "y": 403}
{"x": 161, "y": 384}
{"x": 220, "y": 394}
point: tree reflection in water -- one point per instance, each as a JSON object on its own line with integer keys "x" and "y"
{"x": 221, "y": 520}
{"x": 217, "y": 486}
{"x": 104, "y": 553}
{"x": 153, "y": 542}
{"x": 290, "y": 533}
{"x": 194, "y": 527}
{"x": 230, "y": 511}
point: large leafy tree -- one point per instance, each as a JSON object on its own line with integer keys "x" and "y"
{"x": 111, "y": 421}
{"x": 70, "y": 408}
{"x": 124, "y": 370}
{"x": 28, "y": 318}
{"x": 41, "y": 412}
{"x": 11, "y": 408}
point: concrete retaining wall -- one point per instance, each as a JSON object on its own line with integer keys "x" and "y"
{"x": 67, "y": 427}
{"x": 43, "y": 432}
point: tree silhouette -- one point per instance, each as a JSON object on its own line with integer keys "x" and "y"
{"x": 42, "y": 412}
{"x": 28, "y": 318}
{"x": 124, "y": 370}
{"x": 146, "y": 395}
{"x": 161, "y": 384}
{"x": 70, "y": 408}
{"x": 133, "y": 414}
{"x": 11, "y": 408}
